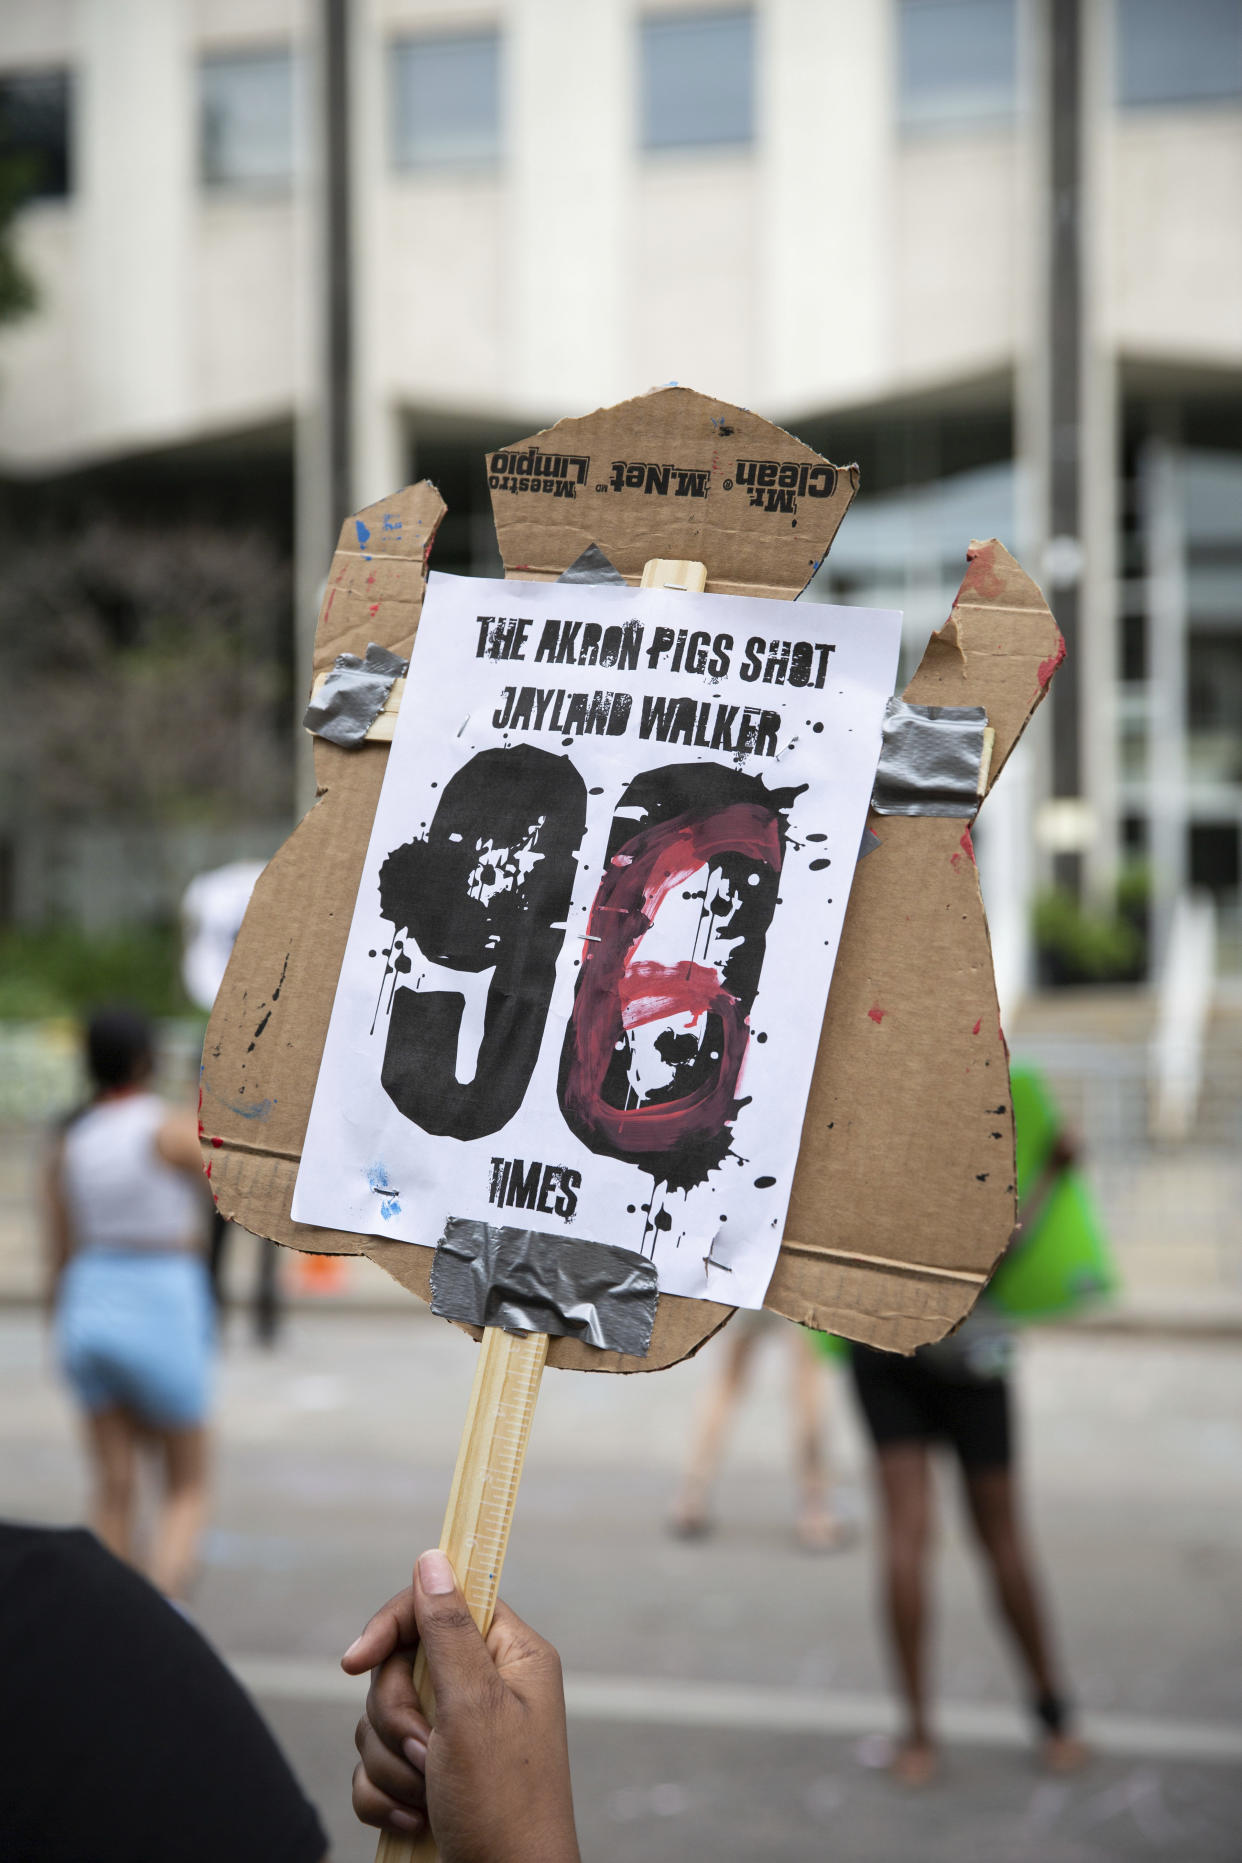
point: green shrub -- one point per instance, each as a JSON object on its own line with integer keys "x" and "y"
{"x": 1078, "y": 945}
{"x": 53, "y": 971}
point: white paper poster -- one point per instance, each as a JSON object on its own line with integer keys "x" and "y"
{"x": 593, "y": 940}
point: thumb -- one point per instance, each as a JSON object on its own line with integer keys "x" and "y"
{"x": 457, "y": 1657}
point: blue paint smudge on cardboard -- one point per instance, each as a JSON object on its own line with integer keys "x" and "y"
{"x": 258, "y": 1109}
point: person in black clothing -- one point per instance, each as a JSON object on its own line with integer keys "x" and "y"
{"x": 125, "y": 1739}
{"x": 956, "y": 1393}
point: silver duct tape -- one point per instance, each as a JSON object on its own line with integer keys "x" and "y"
{"x": 489, "y": 1275}
{"x": 869, "y": 843}
{"x": 929, "y": 760}
{"x": 353, "y": 695}
{"x": 592, "y": 566}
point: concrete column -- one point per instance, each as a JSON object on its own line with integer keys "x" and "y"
{"x": 1100, "y": 457}
{"x": 1066, "y": 400}
{"x": 826, "y": 148}
{"x": 137, "y": 159}
{"x": 1164, "y": 534}
{"x": 314, "y": 532}
{"x": 569, "y": 109}
{"x": 380, "y": 453}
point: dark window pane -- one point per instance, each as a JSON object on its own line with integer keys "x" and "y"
{"x": 34, "y": 130}
{"x": 1178, "y": 51}
{"x": 1133, "y": 647}
{"x": 1213, "y": 851}
{"x": 1214, "y": 707}
{"x": 445, "y": 101}
{"x": 957, "y": 62}
{"x": 247, "y": 119}
{"x": 697, "y": 80}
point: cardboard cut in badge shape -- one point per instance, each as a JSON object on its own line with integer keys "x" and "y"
{"x": 904, "y": 1194}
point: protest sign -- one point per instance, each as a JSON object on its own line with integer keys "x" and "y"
{"x": 597, "y": 920}
{"x": 903, "y": 1196}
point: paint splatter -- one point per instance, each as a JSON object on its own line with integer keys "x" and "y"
{"x": 257, "y": 1109}
{"x": 377, "y": 1178}
{"x": 876, "y": 1013}
{"x": 978, "y": 1026}
{"x": 982, "y": 577}
{"x": 1049, "y": 666}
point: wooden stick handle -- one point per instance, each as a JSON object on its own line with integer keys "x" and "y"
{"x": 480, "y": 1505}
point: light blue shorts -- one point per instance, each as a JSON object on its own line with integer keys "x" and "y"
{"x": 138, "y": 1330}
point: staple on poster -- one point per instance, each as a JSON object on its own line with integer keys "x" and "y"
{"x": 930, "y": 760}
{"x": 349, "y": 700}
{"x": 486, "y": 1274}
{"x": 592, "y": 566}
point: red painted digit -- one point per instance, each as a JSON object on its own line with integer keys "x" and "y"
{"x": 619, "y": 991}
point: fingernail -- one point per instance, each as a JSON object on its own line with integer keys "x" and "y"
{"x": 353, "y": 1649}
{"x": 412, "y": 1821}
{"x": 416, "y": 1752}
{"x": 436, "y": 1574}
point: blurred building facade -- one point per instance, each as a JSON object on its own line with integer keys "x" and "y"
{"x": 840, "y": 214}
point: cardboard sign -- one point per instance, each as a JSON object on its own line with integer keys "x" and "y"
{"x": 597, "y": 921}
{"x": 903, "y": 1197}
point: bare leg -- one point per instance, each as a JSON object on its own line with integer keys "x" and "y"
{"x": 991, "y": 1499}
{"x": 690, "y": 1514}
{"x": 818, "y": 1531}
{"x": 182, "y": 1511}
{"x": 112, "y": 1437}
{"x": 905, "y": 1491}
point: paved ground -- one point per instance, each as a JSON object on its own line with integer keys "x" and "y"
{"x": 726, "y": 1699}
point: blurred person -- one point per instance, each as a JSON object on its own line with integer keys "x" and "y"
{"x": 126, "y": 1206}
{"x": 212, "y": 909}
{"x": 817, "y": 1529}
{"x": 491, "y": 1778}
{"x": 957, "y": 1392}
{"x": 125, "y": 1738}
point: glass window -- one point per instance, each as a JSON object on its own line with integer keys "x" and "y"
{"x": 247, "y": 119}
{"x": 697, "y": 77}
{"x": 956, "y": 62}
{"x": 1178, "y": 51}
{"x": 34, "y": 130}
{"x": 444, "y": 98}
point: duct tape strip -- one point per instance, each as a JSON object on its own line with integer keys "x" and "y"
{"x": 351, "y": 698}
{"x": 592, "y": 566}
{"x": 488, "y": 1275}
{"x": 929, "y": 760}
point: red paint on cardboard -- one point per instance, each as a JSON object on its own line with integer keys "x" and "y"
{"x": 1049, "y": 666}
{"x": 982, "y": 575}
{"x": 876, "y": 1013}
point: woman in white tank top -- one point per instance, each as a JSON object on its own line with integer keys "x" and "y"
{"x": 127, "y": 1210}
